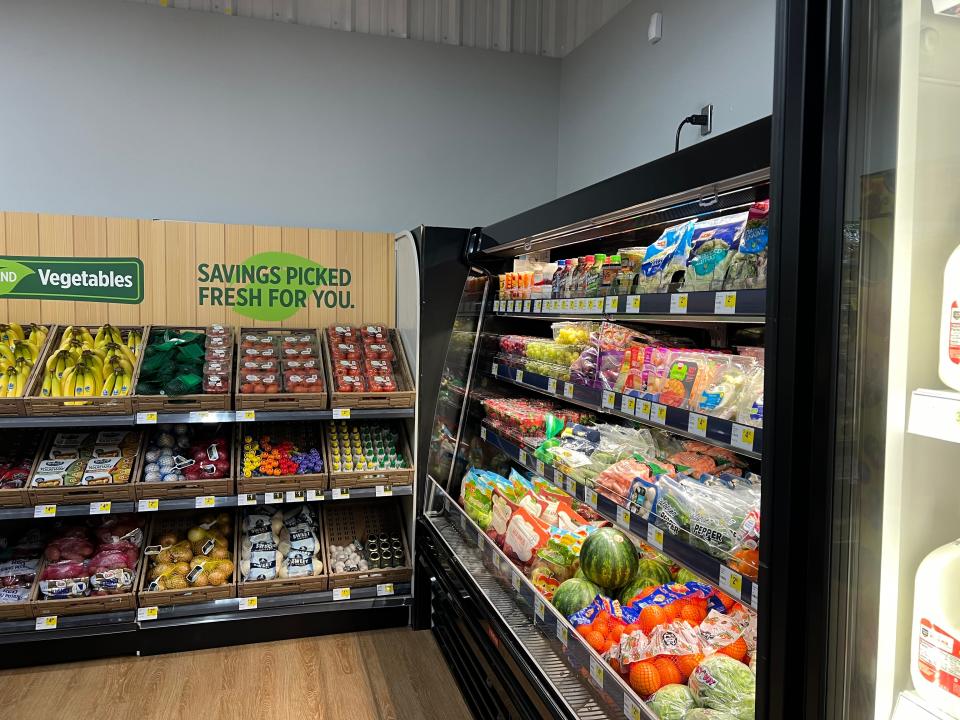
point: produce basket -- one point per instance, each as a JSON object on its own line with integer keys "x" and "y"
{"x": 277, "y": 483}
{"x": 345, "y": 522}
{"x": 14, "y": 406}
{"x": 85, "y": 605}
{"x": 198, "y": 402}
{"x": 21, "y": 610}
{"x": 27, "y": 442}
{"x": 180, "y": 523}
{"x": 121, "y": 600}
{"x": 404, "y": 397}
{"x": 80, "y": 494}
{"x": 16, "y": 536}
{"x": 37, "y": 406}
{"x": 371, "y": 478}
{"x": 188, "y": 487}
{"x": 278, "y": 386}
{"x": 288, "y": 586}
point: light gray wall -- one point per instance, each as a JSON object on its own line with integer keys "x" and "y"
{"x": 114, "y": 108}
{"x": 622, "y": 98}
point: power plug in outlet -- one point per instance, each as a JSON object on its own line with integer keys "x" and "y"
{"x": 708, "y": 128}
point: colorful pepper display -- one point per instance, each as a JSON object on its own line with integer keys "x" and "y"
{"x": 283, "y": 450}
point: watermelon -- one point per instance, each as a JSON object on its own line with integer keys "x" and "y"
{"x": 608, "y": 558}
{"x": 655, "y": 569}
{"x": 633, "y": 588}
{"x": 574, "y": 595}
{"x": 685, "y": 576}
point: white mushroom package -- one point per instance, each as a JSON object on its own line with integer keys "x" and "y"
{"x": 279, "y": 544}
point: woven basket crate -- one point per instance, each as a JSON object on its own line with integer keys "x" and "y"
{"x": 344, "y": 521}
{"x": 404, "y": 397}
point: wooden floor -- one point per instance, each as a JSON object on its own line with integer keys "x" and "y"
{"x": 382, "y": 675}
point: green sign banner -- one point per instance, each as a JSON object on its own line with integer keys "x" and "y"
{"x": 113, "y": 280}
{"x": 273, "y": 286}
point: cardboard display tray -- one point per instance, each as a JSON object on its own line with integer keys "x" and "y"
{"x": 37, "y": 406}
{"x": 185, "y": 488}
{"x": 287, "y": 586}
{"x": 346, "y": 521}
{"x": 180, "y": 522}
{"x": 405, "y": 397}
{"x": 278, "y": 483}
{"x": 285, "y": 401}
{"x": 15, "y": 406}
{"x": 372, "y": 478}
{"x": 80, "y": 494}
{"x": 196, "y": 402}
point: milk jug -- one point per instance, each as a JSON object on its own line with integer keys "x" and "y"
{"x": 935, "y": 651}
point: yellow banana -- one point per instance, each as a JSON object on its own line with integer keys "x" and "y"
{"x": 46, "y": 390}
{"x": 122, "y": 386}
{"x": 6, "y": 353}
{"x": 38, "y": 335}
{"x": 11, "y": 332}
{"x": 108, "y": 385}
{"x": 22, "y": 382}
{"x": 64, "y": 360}
{"x": 56, "y": 389}
{"x": 116, "y": 361}
{"x": 26, "y": 350}
{"x": 3, "y": 386}
{"x": 90, "y": 358}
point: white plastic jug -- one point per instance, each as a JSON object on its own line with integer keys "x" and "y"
{"x": 935, "y": 652}
{"x": 949, "y": 362}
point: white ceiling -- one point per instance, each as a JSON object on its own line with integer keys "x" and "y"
{"x": 536, "y": 27}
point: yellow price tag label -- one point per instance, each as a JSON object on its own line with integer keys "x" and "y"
{"x": 147, "y": 418}
{"x": 628, "y": 404}
{"x": 655, "y": 536}
{"x": 295, "y": 496}
{"x": 741, "y": 437}
{"x": 731, "y": 582}
{"x": 697, "y": 424}
{"x": 340, "y": 493}
{"x": 341, "y": 413}
{"x": 519, "y": 376}
{"x": 592, "y": 499}
{"x": 341, "y": 593}
{"x": 385, "y": 589}
{"x": 608, "y": 400}
{"x": 568, "y": 390}
{"x": 725, "y": 303}
{"x": 633, "y": 304}
{"x": 44, "y": 511}
{"x": 384, "y": 491}
{"x": 148, "y": 505}
{"x": 623, "y": 517}
{"x": 630, "y": 709}
{"x": 246, "y": 415}
{"x": 552, "y": 385}
{"x": 658, "y": 413}
{"x": 101, "y": 507}
{"x": 147, "y": 613}
{"x": 46, "y": 622}
{"x": 205, "y": 501}
{"x": 562, "y": 633}
{"x": 248, "y": 603}
{"x": 678, "y": 304}
{"x": 596, "y": 671}
{"x": 540, "y": 467}
{"x": 643, "y": 409}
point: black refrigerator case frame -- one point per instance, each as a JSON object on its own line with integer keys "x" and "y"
{"x": 466, "y": 624}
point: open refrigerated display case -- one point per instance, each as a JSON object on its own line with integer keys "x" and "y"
{"x": 546, "y": 443}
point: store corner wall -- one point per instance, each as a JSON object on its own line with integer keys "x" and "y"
{"x": 622, "y": 98}
{"x": 114, "y": 108}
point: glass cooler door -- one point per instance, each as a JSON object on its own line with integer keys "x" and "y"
{"x": 893, "y": 633}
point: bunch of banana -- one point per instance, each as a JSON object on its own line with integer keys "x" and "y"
{"x": 88, "y": 365}
{"x": 18, "y": 353}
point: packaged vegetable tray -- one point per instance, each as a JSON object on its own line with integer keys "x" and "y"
{"x": 382, "y": 377}
{"x": 186, "y": 369}
{"x": 280, "y": 369}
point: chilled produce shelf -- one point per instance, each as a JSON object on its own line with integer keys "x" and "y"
{"x": 586, "y": 683}
{"x": 742, "y": 439}
{"x": 742, "y": 306}
{"x": 206, "y": 416}
{"x": 68, "y": 626}
{"x": 695, "y": 560}
{"x": 204, "y": 502}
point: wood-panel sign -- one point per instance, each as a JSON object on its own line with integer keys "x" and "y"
{"x": 80, "y": 269}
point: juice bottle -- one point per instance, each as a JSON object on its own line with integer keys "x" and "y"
{"x": 579, "y": 289}
{"x": 502, "y": 277}
{"x": 609, "y": 274}
{"x": 569, "y": 274}
{"x": 593, "y": 276}
{"x": 556, "y": 282}
{"x": 949, "y": 365}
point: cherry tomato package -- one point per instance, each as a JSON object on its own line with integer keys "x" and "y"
{"x": 382, "y": 383}
{"x": 259, "y": 381}
{"x": 350, "y": 383}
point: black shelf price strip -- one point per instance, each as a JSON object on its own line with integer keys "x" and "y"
{"x": 544, "y": 617}
{"x": 690, "y": 557}
{"x": 742, "y": 439}
{"x": 100, "y": 507}
{"x": 738, "y": 305}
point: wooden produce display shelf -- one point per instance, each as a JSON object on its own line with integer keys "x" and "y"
{"x": 81, "y": 494}
{"x": 288, "y": 586}
{"x": 15, "y": 406}
{"x": 37, "y": 406}
{"x": 278, "y": 483}
{"x": 87, "y": 604}
{"x": 173, "y": 489}
{"x": 371, "y": 478}
{"x": 179, "y": 523}
{"x": 199, "y": 402}
{"x": 33, "y": 439}
{"x": 285, "y": 399}
{"x": 404, "y": 397}
{"x": 346, "y": 522}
